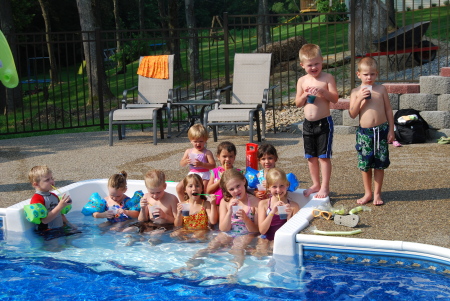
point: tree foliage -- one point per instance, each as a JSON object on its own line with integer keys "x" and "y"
{"x": 323, "y": 6}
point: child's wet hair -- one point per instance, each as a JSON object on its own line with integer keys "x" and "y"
{"x": 35, "y": 174}
{"x": 228, "y": 146}
{"x": 369, "y": 62}
{"x": 198, "y": 180}
{"x": 227, "y": 176}
{"x": 275, "y": 175}
{"x": 154, "y": 178}
{"x": 118, "y": 180}
{"x": 309, "y": 52}
{"x": 198, "y": 131}
{"x": 267, "y": 149}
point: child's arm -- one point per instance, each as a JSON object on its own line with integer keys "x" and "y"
{"x": 301, "y": 95}
{"x": 178, "y": 222}
{"x": 264, "y": 220}
{"x": 51, "y": 215}
{"x": 225, "y": 215}
{"x": 212, "y": 186}
{"x": 131, "y": 213}
{"x": 331, "y": 94}
{"x": 210, "y": 164}
{"x": 291, "y": 209}
{"x": 356, "y": 101}
{"x": 252, "y": 226}
{"x": 211, "y": 210}
{"x": 143, "y": 214}
{"x": 389, "y": 116}
{"x": 185, "y": 159}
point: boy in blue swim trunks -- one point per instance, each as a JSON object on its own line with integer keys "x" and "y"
{"x": 315, "y": 91}
{"x": 376, "y": 129}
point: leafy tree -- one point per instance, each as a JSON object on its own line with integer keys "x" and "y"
{"x": 285, "y": 7}
{"x": 323, "y": 6}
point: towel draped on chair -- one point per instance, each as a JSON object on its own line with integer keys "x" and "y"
{"x": 155, "y": 66}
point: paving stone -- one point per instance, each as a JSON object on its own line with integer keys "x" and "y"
{"x": 402, "y": 88}
{"x": 443, "y": 102}
{"x": 434, "y": 84}
{"x": 337, "y": 116}
{"x": 419, "y": 102}
{"x": 437, "y": 119}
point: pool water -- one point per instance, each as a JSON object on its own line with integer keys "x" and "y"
{"x": 104, "y": 265}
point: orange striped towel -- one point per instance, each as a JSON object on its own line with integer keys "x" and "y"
{"x": 156, "y": 66}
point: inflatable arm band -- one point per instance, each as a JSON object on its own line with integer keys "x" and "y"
{"x": 8, "y": 72}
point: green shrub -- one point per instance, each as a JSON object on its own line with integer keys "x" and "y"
{"x": 420, "y": 6}
{"x": 323, "y": 6}
{"x": 446, "y": 2}
{"x": 433, "y": 4}
{"x": 408, "y": 8}
{"x": 131, "y": 51}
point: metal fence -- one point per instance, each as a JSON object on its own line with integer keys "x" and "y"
{"x": 61, "y": 99}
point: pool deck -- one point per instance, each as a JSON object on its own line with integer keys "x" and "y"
{"x": 416, "y": 185}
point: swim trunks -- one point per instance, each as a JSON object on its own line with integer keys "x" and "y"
{"x": 318, "y": 137}
{"x": 372, "y": 147}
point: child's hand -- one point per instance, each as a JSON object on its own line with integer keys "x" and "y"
{"x": 390, "y": 137}
{"x": 120, "y": 211}
{"x": 195, "y": 162}
{"x": 260, "y": 194}
{"x": 109, "y": 214}
{"x": 312, "y": 90}
{"x": 179, "y": 207}
{"x": 363, "y": 93}
{"x": 212, "y": 199}
{"x": 288, "y": 208}
{"x": 66, "y": 200}
{"x": 143, "y": 202}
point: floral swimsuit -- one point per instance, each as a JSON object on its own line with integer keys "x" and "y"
{"x": 198, "y": 221}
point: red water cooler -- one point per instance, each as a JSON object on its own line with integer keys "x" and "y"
{"x": 251, "y": 155}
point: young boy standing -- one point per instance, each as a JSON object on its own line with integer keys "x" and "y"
{"x": 315, "y": 91}
{"x": 376, "y": 129}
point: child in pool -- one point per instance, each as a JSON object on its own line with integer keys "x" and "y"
{"x": 239, "y": 228}
{"x": 41, "y": 178}
{"x": 269, "y": 220}
{"x": 199, "y": 159}
{"x": 267, "y": 157}
{"x": 162, "y": 216}
{"x": 116, "y": 211}
{"x": 201, "y": 212}
{"x": 226, "y": 153}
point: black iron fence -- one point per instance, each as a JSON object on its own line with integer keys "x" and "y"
{"x": 74, "y": 94}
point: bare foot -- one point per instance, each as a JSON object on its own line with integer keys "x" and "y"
{"x": 312, "y": 189}
{"x": 365, "y": 199}
{"x": 377, "y": 201}
{"x": 323, "y": 193}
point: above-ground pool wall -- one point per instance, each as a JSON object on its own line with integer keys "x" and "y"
{"x": 285, "y": 244}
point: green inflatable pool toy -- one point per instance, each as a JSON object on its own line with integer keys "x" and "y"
{"x": 35, "y": 212}
{"x": 66, "y": 209}
{"x": 8, "y": 72}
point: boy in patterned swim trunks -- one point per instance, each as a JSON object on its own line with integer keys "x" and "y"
{"x": 376, "y": 129}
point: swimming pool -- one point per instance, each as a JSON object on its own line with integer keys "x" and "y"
{"x": 101, "y": 265}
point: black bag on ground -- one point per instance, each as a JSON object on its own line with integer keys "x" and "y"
{"x": 412, "y": 131}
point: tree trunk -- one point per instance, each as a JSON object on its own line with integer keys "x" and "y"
{"x": 88, "y": 23}
{"x": 370, "y": 24}
{"x": 141, "y": 17}
{"x": 168, "y": 16}
{"x": 193, "y": 55}
{"x": 9, "y": 98}
{"x": 51, "y": 54}
{"x": 390, "y": 6}
{"x": 121, "y": 64}
{"x": 263, "y": 20}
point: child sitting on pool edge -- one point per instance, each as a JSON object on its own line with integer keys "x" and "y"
{"x": 116, "y": 210}
{"x": 201, "y": 213}
{"x": 41, "y": 178}
{"x": 200, "y": 159}
{"x": 158, "y": 207}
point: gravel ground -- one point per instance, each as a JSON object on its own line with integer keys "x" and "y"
{"x": 416, "y": 186}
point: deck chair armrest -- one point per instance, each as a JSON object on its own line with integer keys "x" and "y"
{"x": 218, "y": 92}
{"x": 173, "y": 95}
{"x": 125, "y": 95}
{"x": 266, "y": 93}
